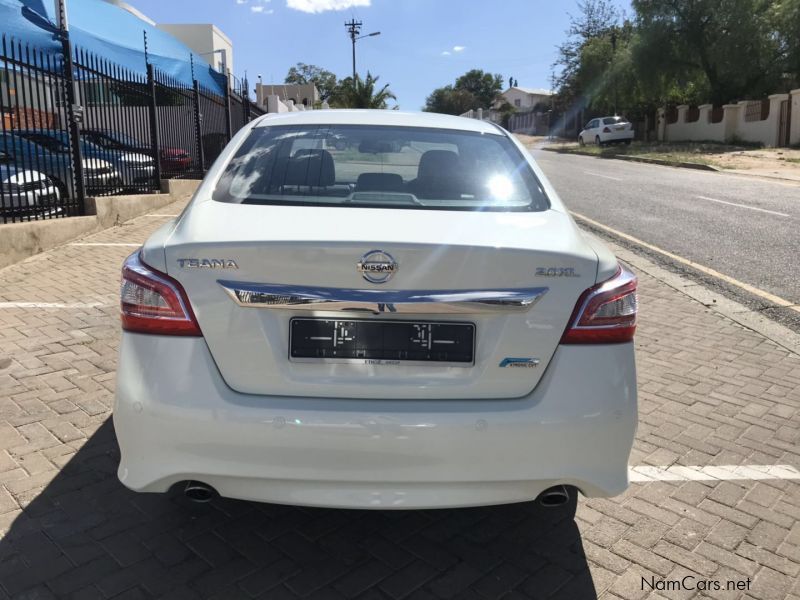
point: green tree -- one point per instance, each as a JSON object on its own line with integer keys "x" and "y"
{"x": 474, "y": 89}
{"x": 595, "y": 20}
{"x": 304, "y": 74}
{"x": 450, "y": 101}
{"x": 735, "y": 48}
{"x": 485, "y": 87}
{"x": 358, "y": 93}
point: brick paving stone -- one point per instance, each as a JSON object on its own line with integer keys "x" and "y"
{"x": 711, "y": 393}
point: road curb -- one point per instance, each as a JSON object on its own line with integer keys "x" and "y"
{"x": 725, "y": 307}
{"x": 640, "y": 159}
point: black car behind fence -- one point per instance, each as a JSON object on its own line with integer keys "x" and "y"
{"x": 133, "y": 129}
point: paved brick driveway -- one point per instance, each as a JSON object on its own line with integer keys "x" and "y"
{"x": 712, "y": 393}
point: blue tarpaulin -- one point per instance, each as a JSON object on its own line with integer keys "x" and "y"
{"x": 108, "y": 32}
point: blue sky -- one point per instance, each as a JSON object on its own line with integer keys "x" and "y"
{"x": 423, "y": 44}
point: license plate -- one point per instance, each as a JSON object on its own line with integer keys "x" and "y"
{"x": 382, "y": 342}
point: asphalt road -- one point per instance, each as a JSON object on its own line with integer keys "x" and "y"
{"x": 743, "y": 227}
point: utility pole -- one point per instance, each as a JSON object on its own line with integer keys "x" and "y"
{"x": 354, "y": 30}
{"x": 613, "y": 65}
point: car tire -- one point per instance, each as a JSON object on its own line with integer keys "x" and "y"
{"x": 63, "y": 191}
{"x": 580, "y": 141}
{"x": 597, "y": 141}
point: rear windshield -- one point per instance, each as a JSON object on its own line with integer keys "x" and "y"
{"x": 382, "y": 167}
{"x": 612, "y": 120}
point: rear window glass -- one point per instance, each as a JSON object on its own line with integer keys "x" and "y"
{"x": 612, "y": 120}
{"x": 382, "y": 167}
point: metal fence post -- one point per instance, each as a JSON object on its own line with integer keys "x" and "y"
{"x": 155, "y": 143}
{"x": 73, "y": 110}
{"x": 245, "y": 104}
{"x": 198, "y": 128}
{"x": 228, "y": 126}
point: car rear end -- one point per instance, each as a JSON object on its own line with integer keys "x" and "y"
{"x": 616, "y": 129}
{"x": 347, "y": 338}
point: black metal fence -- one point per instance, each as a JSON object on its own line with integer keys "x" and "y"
{"x": 133, "y": 129}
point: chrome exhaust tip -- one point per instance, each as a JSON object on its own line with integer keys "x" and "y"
{"x": 198, "y": 492}
{"x": 554, "y": 496}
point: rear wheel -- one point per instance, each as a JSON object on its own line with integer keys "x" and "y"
{"x": 597, "y": 141}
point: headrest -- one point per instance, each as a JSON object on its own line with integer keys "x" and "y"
{"x": 310, "y": 169}
{"x": 438, "y": 163}
{"x": 380, "y": 182}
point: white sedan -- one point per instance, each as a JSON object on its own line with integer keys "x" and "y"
{"x": 22, "y": 190}
{"x": 407, "y": 319}
{"x": 606, "y": 130}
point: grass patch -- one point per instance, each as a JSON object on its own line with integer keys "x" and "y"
{"x": 675, "y": 152}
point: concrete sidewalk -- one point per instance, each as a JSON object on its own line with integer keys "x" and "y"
{"x": 712, "y": 394}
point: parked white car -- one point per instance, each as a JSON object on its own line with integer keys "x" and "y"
{"x": 606, "y": 130}
{"x": 415, "y": 321}
{"x": 23, "y": 190}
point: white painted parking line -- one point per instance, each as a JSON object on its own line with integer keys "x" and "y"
{"x": 776, "y": 300}
{"x": 604, "y": 176}
{"x": 764, "y": 210}
{"x": 644, "y": 474}
{"x": 101, "y": 244}
{"x": 61, "y": 305}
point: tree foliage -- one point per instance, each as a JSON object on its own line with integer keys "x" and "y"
{"x": 678, "y": 51}
{"x": 303, "y": 74}
{"x": 732, "y": 48}
{"x": 358, "y": 93}
{"x": 474, "y": 89}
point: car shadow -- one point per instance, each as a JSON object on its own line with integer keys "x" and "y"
{"x": 86, "y": 535}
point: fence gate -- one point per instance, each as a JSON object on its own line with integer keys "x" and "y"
{"x": 783, "y": 123}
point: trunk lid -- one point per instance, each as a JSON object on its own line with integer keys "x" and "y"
{"x": 435, "y": 250}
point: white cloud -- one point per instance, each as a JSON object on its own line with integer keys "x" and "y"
{"x": 459, "y": 48}
{"x": 241, "y": 1}
{"x": 318, "y": 6}
{"x": 445, "y": 53}
{"x": 261, "y": 9}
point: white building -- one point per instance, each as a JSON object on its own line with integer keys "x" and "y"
{"x": 207, "y": 40}
{"x": 525, "y": 99}
{"x": 301, "y": 94}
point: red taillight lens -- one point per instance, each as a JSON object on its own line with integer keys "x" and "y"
{"x": 605, "y": 313}
{"x": 606, "y": 130}
{"x": 153, "y": 302}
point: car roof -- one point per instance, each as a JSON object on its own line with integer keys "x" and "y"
{"x": 393, "y": 118}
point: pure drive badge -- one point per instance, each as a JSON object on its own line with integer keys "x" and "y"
{"x": 519, "y": 363}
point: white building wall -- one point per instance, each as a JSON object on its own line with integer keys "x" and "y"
{"x": 794, "y": 133}
{"x": 206, "y": 40}
{"x": 734, "y": 125}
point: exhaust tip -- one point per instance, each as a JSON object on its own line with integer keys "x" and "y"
{"x": 199, "y": 492}
{"x": 554, "y": 496}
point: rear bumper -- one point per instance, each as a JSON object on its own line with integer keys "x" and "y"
{"x": 617, "y": 136}
{"x": 177, "y": 420}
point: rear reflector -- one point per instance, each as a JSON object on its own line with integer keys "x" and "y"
{"x": 153, "y": 302}
{"x": 605, "y": 313}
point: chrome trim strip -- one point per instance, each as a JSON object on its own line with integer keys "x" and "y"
{"x": 295, "y": 297}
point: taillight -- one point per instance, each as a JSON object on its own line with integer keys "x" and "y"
{"x": 605, "y": 313}
{"x": 606, "y": 130}
{"x": 153, "y": 302}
